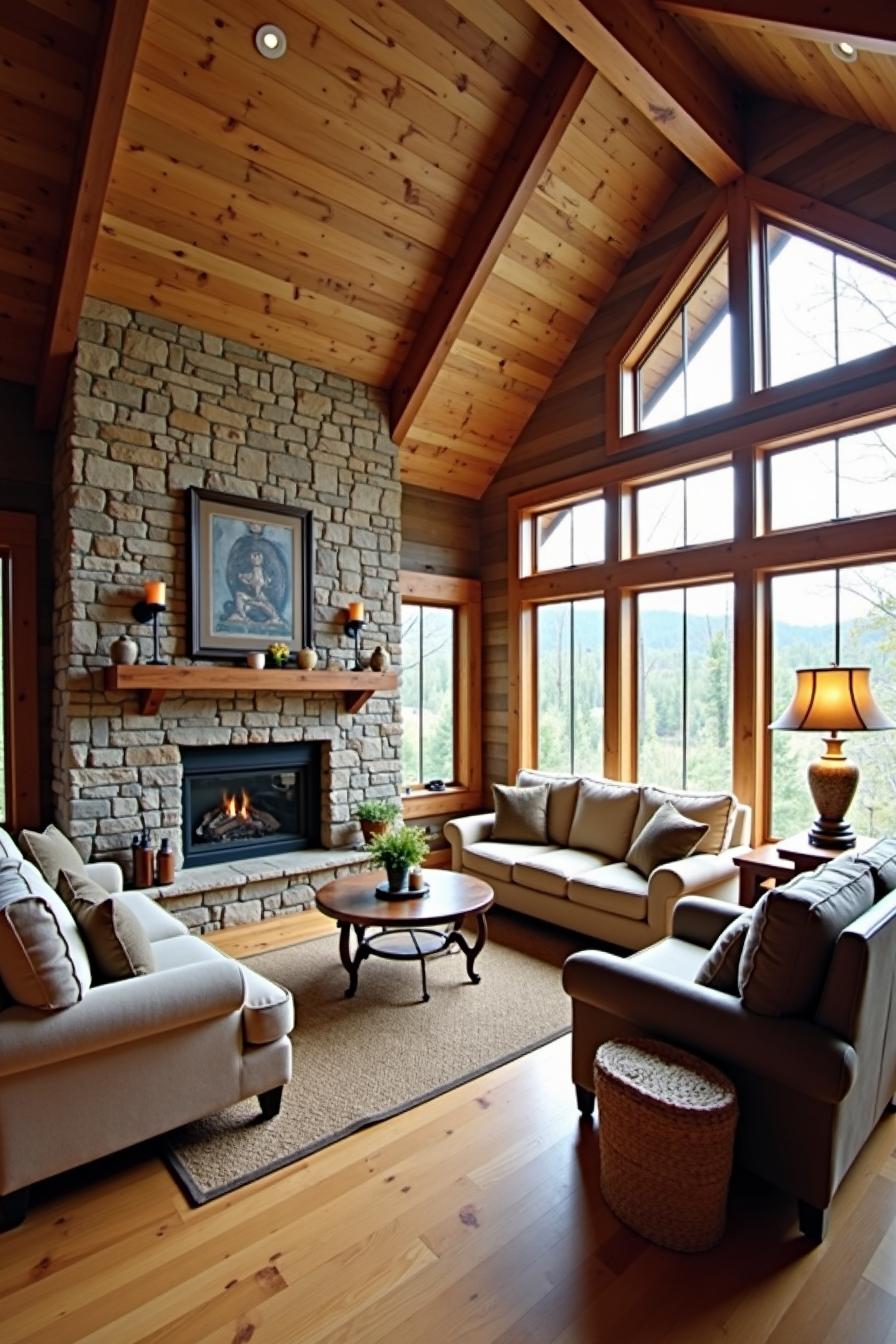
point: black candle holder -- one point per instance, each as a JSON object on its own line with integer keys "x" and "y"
{"x": 354, "y": 628}
{"x": 144, "y": 612}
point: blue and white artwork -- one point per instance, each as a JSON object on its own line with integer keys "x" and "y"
{"x": 253, "y": 574}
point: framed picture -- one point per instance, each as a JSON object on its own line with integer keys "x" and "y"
{"x": 251, "y": 574}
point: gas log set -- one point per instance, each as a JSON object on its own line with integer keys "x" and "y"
{"x": 236, "y": 819}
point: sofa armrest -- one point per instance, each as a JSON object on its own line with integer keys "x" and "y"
{"x": 686, "y": 877}
{"x": 117, "y": 1013}
{"x": 787, "y": 1051}
{"x": 463, "y": 831}
{"x": 700, "y": 919}
{"x": 106, "y": 874}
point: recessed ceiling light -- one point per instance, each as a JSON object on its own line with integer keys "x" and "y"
{"x": 270, "y": 41}
{"x": 844, "y": 51}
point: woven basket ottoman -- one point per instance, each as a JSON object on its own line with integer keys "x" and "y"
{"x": 666, "y": 1123}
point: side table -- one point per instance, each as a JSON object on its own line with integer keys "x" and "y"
{"x": 783, "y": 859}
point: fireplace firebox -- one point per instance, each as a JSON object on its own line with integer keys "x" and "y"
{"x": 250, "y": 800}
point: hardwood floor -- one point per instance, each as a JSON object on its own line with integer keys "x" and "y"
{"x": 475, "y": 1217}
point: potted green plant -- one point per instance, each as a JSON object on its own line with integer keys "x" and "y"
{"x": 397, "y": 850}
{"x": 377, "y": 816}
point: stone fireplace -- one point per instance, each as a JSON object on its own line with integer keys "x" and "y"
{"x": 153, "y": 409}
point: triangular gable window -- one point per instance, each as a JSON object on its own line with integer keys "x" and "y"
{"x": 824, "y": 306}
{"x": 688, "y": 367}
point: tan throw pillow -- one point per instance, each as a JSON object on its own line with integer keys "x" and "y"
{"x": 605, "y": 817}
{"x": 51, "y": 851}
{"x": 719, "y": 970}
{"x": 666, "y": 837}
{"x": 118, "y": 945}
{"x": 716, "y": 809}
{"x": 792, "y": 935}
{"x": 521, "y": 814}
{"x": 43, "y": 962}
{"x": 564, "y": 790}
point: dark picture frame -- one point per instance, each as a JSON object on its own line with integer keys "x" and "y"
{"x": 251, "y": 575}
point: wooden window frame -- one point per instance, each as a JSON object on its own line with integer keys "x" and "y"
{"x": 630, "y": 489}
{"x": 18, "y": 546}
{"x": 464, "y": 597}
{"x": 528, "y": 543}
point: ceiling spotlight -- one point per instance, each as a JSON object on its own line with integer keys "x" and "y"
{"x": 845, "y": 51}
{"x": 270, "y": 41}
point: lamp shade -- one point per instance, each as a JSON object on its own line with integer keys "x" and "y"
{"x": 833, "y": 700}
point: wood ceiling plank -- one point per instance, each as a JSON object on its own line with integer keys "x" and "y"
{"x": 864, "y": 23}
{"x": 539, "y": 276}
{"x": 305, "y": 216}
{"x": 490, "y": 363}
{"x": 85, "y": 15}
{"x": 662, "y": 72}
{"x": 109, "y": 93}
{"x": 58, "y": 32}
{"x": 350, "y": 326}
{"x": 511, "y": 24}
{"x": 329, "y": 274}
{"x": 304, "y": 141}
{"x": 274, "y": 174}
{"x": 538, "y": 136}
{"x": 502, "y": 48}
{"x": 197, "y": 33}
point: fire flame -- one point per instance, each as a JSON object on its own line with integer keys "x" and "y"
{"x": 233, "y": 809}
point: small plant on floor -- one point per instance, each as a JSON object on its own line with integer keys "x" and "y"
{"x": 398, "y": 850}
{"x": 377, "y": 816}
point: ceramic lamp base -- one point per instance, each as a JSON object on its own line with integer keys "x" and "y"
{"x": 833, "y": 781}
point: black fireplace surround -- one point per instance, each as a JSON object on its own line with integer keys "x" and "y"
{"x": 250, "y": 800}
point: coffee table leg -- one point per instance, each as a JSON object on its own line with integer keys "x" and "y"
{"x": 471, "y": 953}
{"x": 422, "y": 958}
{"x": 351, "y": 963}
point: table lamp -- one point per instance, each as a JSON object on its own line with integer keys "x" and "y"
{"x": 832, "y": 700}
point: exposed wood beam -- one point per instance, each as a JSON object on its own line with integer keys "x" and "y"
{"x": 653, "y": 62}
{"x": 866, "y": 23}
{"x": 562, "y": 90}
{"x": 111, "y": 80}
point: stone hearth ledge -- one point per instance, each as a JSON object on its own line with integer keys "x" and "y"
{"x": 218, "y": 895}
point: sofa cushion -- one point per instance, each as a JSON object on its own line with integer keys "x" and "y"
{"x": 564, "y": 790}
{"x": 43, "y": 961}
{"x": 117, "y": 944}
{"x": 792, "y": 934}
{"x": 720, "y": 966}
{"x": 521, "y": 814}
{"x": 50, "y": 851}
{"x": 495, "y": 858}
{"x": 881, "y": 859}
{"x": 718, "y": 810}
{"x": 8, "y": 847}
{"x": 551, "y": 872}
{"x": 268, "y": 1011}
{"x": 605, "y": 817}
{"x": 666, "y": 837}
{"x": 157, "y": 923}
{"x": 675, "y": 957}
{"x": 615, "y": 888}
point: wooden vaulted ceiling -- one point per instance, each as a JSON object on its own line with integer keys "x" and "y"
{"x": 433, "y": 196}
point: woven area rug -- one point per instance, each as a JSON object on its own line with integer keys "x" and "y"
{"x": 358, "y": 1061}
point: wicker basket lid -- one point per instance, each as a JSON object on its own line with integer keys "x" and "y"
{"x": 664, "y": 1074}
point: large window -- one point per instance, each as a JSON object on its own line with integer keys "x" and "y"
{"x": 845, "y": 615}
{"x": 684, "y": 683}
{"x": 570, "y": 659}
{"x": 684, "y": 511}
{"x": 841, "y": 477}
{"x": 427, "y": 694}
{"x": 688, "y": 368}
{"x": 824, "y": 307}
{"x": 571, "y": 535}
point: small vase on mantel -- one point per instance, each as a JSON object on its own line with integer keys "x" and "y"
{"x": 306, "y": 659}
{"x": 124, "y": 651}
{"x": 380, "y": 660}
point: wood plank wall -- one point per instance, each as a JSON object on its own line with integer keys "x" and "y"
{"x": 439, "y": 533}
{"x": 838, "y": 161}
{"x": 26, "y": 465}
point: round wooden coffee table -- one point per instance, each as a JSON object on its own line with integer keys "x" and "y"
{"x": 405, "y": 925}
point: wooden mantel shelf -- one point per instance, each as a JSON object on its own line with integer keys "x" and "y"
{"x": 153, "y": 683}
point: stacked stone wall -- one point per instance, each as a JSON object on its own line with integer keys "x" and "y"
{"x": 153, "y": 409}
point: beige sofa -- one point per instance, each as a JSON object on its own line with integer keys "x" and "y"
{"x": 580, "y": 879}
{"x": 811, "y": 1084}
{"x": 134, "y": 1057}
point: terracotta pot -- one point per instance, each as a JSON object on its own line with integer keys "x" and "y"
{"x": 371, "y": 828}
